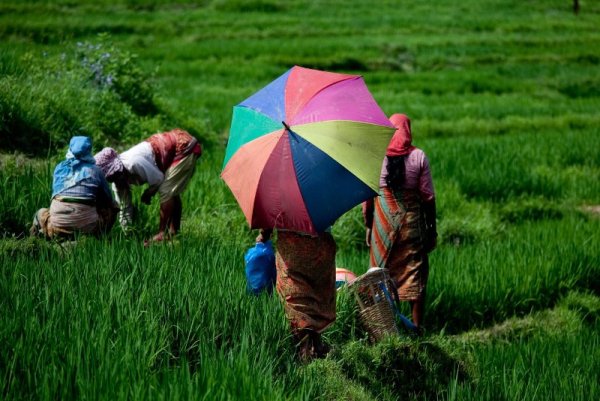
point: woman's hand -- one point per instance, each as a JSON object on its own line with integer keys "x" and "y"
{"x": 368, "y": 237}
{"x": 264, "y": 235}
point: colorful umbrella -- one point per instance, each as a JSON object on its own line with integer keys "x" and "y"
{"x": 305, "y": 149}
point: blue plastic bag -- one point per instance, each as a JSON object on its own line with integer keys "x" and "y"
{"x": 260, "y": 268}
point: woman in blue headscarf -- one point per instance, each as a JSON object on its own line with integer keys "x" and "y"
{"x": 81, "y": 198}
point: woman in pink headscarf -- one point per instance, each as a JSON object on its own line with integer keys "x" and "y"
{"x": 401, "y": 226}
{"x": 166, "y": 162}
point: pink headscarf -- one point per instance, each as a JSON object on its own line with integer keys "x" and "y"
{"x": 401, "y": 143}
{"x": 108, "y": 161}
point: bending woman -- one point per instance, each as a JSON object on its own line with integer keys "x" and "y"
{"x": 166, "y": 162}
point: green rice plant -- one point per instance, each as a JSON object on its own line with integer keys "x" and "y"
{"x": 535, "y": 369}
{"x": 461, "y": 220}
{"x": 528, "y": 267}
{"x": 26, "y": 187}
{"x": 418, "y": 370}
{"x": 332, "y": 383}
{"x": 347, "y": 326}
{"x": 349, "y": 229}
{"x": 526, "y": 358}
{"x": 530, "y": 209}
{"x": 512, "y": 166}
{"x": 249, "y": 6}
{"x": 111, "y": 322}
{"x": 586, "y": 304}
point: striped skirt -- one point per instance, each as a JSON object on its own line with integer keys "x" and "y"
{"x": 397, "y": 241}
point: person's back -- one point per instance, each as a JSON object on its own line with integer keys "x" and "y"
{"x": 79, "y": 178}
{"x": 401, "y": 227}
{"x": 406, "y": 167}
{"x": 171, "y": 147}
{"x": 81, "y": 199}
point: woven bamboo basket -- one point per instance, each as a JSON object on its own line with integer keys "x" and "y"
{"x": 373, "y": 293}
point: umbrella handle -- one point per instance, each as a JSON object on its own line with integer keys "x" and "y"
{"x": 287, "y": 127}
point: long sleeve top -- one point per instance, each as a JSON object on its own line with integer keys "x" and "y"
{"x": 417, "y": 174}
{"x": 417, "y": 177}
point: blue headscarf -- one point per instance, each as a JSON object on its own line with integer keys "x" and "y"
{"x": 78, "y": 166}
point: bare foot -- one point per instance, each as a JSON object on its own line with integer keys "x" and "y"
{"x": 157, "y": 238}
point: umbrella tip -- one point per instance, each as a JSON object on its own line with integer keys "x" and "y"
{"x": 287, "y": 127}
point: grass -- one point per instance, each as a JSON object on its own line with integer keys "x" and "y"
{"x": 133, "y": 328}
{"x": 519, "y": 359}
{"x": 503, "y": 97}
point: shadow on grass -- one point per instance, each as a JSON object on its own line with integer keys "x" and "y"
{"x": 400, "y": 368}
{"x": 392, "y": 368}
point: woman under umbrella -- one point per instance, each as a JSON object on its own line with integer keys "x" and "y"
{"x": 306, "y": 284}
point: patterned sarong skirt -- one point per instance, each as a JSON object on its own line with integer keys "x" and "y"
{"x": 306, "y": 279}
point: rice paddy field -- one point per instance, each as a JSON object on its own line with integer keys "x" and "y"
{"x": 504, "y": 99}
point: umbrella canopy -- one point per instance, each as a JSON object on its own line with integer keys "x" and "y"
{"x": 305, "y": 149}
